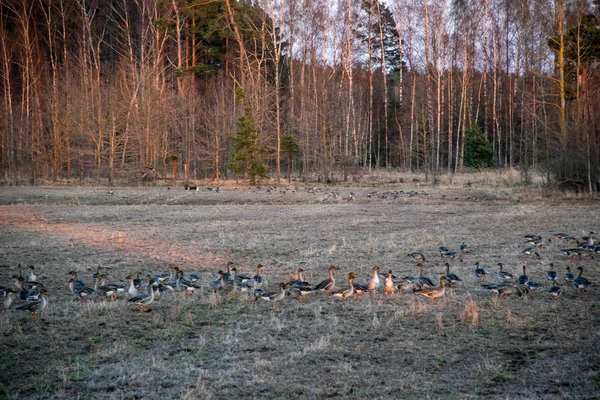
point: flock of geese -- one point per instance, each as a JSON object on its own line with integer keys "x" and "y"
{"x": 27, "y": 294}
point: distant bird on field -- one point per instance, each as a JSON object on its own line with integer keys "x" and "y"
{"x": 479, "y": 271}
{"x": 504, "y": 275}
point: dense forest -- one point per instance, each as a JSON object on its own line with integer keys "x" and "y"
{"x": 118, "y": 90}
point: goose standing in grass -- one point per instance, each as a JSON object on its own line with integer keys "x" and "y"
{"x": 6, "y": 300}
{"x": 480, "y": 272}
{"x": 299, "y": 281}
{"x": 569, "y": 277}
{"x": 143, "y": 300}
{"x": 23, "y": 292}
{"x": 451, "y": 277}
{"x": 504, "y": 275}
{"x": 555, "y": 292}
{"x": 35, "y": 306}
{"x": 433, "y": 293}
{"x": 273, "y": 297}
{"x": 298, "y": 292}
{"x": 407, "y": 284}
{"x": 532, "y": 286}
{"x": 239, "y": 278}
{"x": 507, "y": 290}
{"x": 581, "y": 283}
{"x": 422, "y": 281}
{"x": 156, "y": 288}
{"x": 222, "y": 283}
{"x": 184, "y": 285}
{"x": 227, "y": 275}
{"x": 524, "y": 278}
{"x": 132, "y": 290}
{"x": 551, "y": 275}
{"x": 388, "y": 284}
{"x": 80, "y": 291}
{"x": 76, "y": 281}
{"x": 258, "y": 279}
{"x": 103, "y": 291}
{"x": 346, "y": 293}
{"x": 443, "y": 250}
{"x": 32, "y": 277}
{"x": 530, "y": 252}
{"x": 375, "y": 282}
{"x": 327, "y": 285}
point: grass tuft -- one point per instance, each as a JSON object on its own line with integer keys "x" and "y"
{"x": 470, "y": 314}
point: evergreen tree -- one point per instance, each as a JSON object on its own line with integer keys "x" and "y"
{"x": 478, "y": 151}
{"x": 248, "y": 155}
{"x": 367, "y": 31}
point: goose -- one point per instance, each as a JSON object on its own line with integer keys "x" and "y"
{"x": 227, "y": 275}
{"x": 77, "y": 282}
{"x": 535, "y": 242}
{"x": 581, "y": 283}
{"x": 388, "y": 284}
{"x": 298, "y": 292}
{"x": 450, "y": 276}
{"x": 555, "y": 292}
{"x": 6, "y": 300}
{"x": 573, "y": 253}
{"x": 407, "y": 284}
{"x": 156, "y": 288}
{"x": 344, "y": 294}
{"x": 103, "y": 291}
{"x": 258, "y": 279}
{"x": 551, "y": 275}
{"x": 433, "y": 293}
{"x": 34, "y": 307}
{"x": 532, "y": 286}
{"x": 143, "y": 300}
{"x": 23, "y": 292}
{"x": 569, "y": 277}
{"x": 523, "y": 279}
{"x": 421, "y": 280}
{"x": 530, "y": 252}
{"x": 239, "y": 278}
{"x": 375, "y": 282}
{"x": 80, "y": 291}
{"x": 442, "y": 250}
{"x": 507, "y": 290}
{"x": 299, "y": 282}
{"x": 274, "y": 296}
{"x": 479, "y": 272}
{"x": 327, "y": 285}
{"x": 132, "y": 290}
{"x": 32, "y": 277}
{"x": 504, "y": 275}
{"x": 464, "y": 248}
{"x": 184, "y": 285}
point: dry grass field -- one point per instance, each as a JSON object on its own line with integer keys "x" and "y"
{"x": 467, "y": 344}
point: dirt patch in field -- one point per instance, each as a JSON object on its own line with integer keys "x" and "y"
{"x": 467, "y": 344}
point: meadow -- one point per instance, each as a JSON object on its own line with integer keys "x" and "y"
{"x": 467, "y": 344}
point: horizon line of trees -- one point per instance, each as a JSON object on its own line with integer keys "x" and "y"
{"x": 103, "y": 89}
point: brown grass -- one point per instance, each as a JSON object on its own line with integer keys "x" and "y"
{"x": 226, "y": 345}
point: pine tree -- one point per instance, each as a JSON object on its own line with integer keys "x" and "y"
{"x": 249, "y": 155}
{"x": 478, "y": 151}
